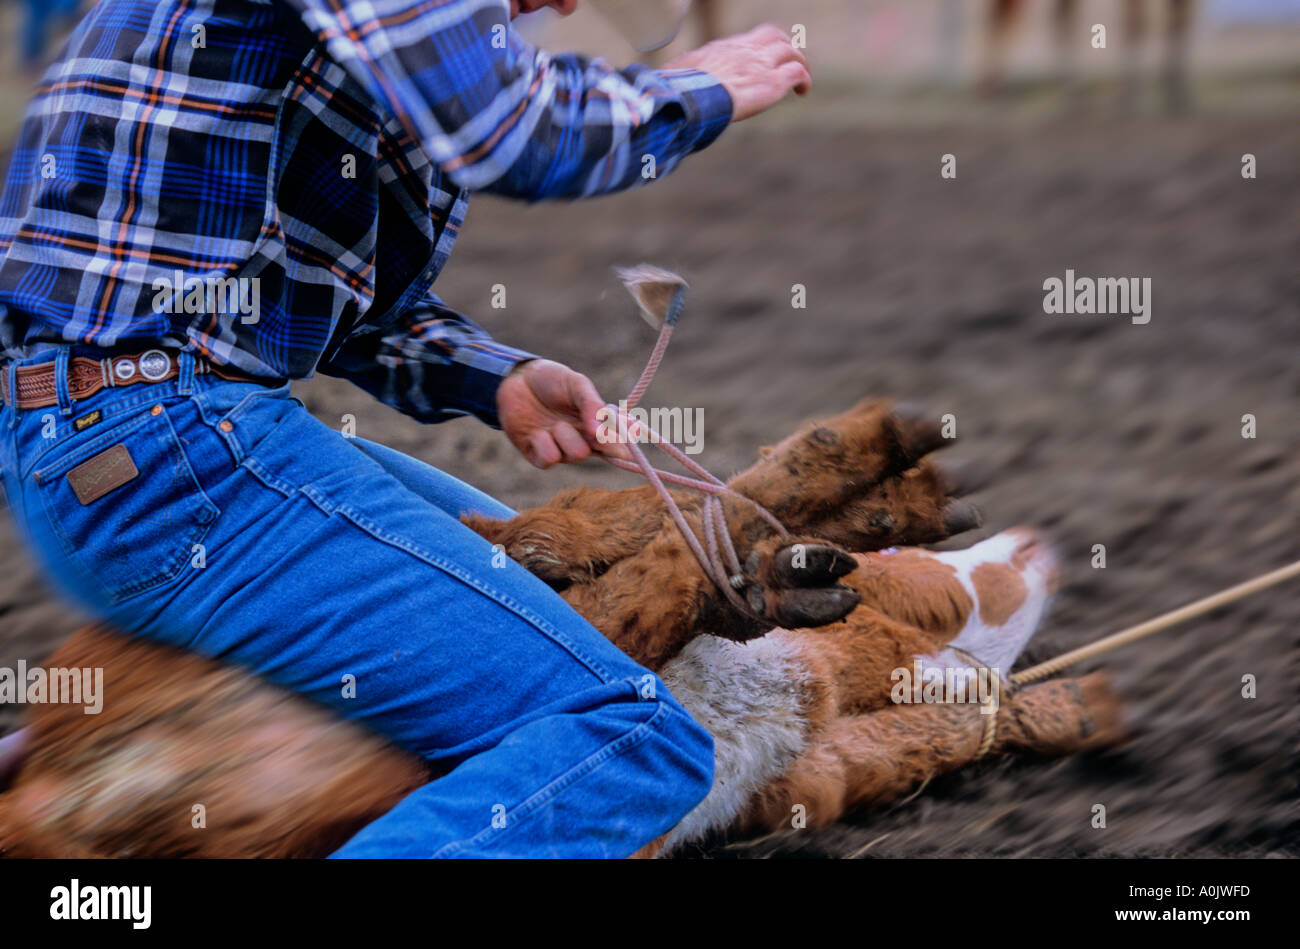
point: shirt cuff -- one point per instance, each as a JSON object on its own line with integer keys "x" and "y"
{"x": 705, "y": 100}
{"x": 486, "y": 364}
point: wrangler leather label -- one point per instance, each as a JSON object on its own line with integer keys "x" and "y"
{"x": 110, "y": 469}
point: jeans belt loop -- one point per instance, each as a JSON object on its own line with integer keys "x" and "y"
{"x": 185, "y": 379}
{"x": 61, "y": 359}
{"x": 11, "y": 374}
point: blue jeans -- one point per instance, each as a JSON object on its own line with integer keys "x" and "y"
{"x": 337, "y": 568}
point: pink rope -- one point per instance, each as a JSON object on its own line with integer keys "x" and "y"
{"x": 719, "y": 561}
{"x": 651, "y": 367}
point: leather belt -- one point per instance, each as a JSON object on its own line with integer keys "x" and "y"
{"x": 86, "y": 376}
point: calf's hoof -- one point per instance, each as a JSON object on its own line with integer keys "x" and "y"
{"x": 796, "y": 583}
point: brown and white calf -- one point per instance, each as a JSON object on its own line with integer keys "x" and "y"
{"x": 798, "y": 701}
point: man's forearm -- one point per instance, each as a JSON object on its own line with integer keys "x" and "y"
{"x": 497, "y": 114}
{"x": 433, "y": 364}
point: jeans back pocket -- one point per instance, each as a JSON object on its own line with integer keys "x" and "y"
{"x": 126, "y": 506}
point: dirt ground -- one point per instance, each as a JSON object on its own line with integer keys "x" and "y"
{"x": 1097, "y": 430}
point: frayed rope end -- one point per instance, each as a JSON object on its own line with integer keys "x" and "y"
{"x": 659, "y": 294}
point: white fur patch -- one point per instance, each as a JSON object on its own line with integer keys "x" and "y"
{"x": 750, "y": 696}
{"x": 997, "y": 646}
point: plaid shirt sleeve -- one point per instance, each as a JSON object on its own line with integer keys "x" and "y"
{"x": 497, "y": 114}
{"x": 429, "y": 362}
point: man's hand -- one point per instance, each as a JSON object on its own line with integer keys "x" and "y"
{"x": 757, "y": 68}
{"x": 549, "y": 412}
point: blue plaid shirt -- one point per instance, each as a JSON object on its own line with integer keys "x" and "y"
{"x": 316, "y": 156}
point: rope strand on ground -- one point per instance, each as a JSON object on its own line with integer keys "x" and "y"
{"x": 1161, "y": 622}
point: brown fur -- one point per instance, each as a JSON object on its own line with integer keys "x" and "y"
{"x": 276, "y": 775}
{"x": 1000, "y": 590}
{"x": 870, "y": 759}
{"x": 279, "y": 776}
{"x": 868, "y": 750}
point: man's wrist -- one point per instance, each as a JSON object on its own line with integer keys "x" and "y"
{"x": 479, "y": 392}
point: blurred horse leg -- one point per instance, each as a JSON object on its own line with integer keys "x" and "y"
{"x": 998, "y": 25}
{"x": 1177, "y": 93}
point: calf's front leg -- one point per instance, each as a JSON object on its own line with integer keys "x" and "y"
{"x": 653, "y": 603}
{"x": 859, "y": 479}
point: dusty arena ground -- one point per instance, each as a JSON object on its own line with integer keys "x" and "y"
{"x": 1095, "y": 429}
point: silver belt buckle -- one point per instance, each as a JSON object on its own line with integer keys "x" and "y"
{"x": 154, "y": 364}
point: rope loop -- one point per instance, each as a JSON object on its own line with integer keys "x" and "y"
{"x": 716, "y": 553}
{"x": 994, "y": 702}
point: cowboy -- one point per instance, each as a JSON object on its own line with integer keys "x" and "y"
{"x": 319, "y": 153}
